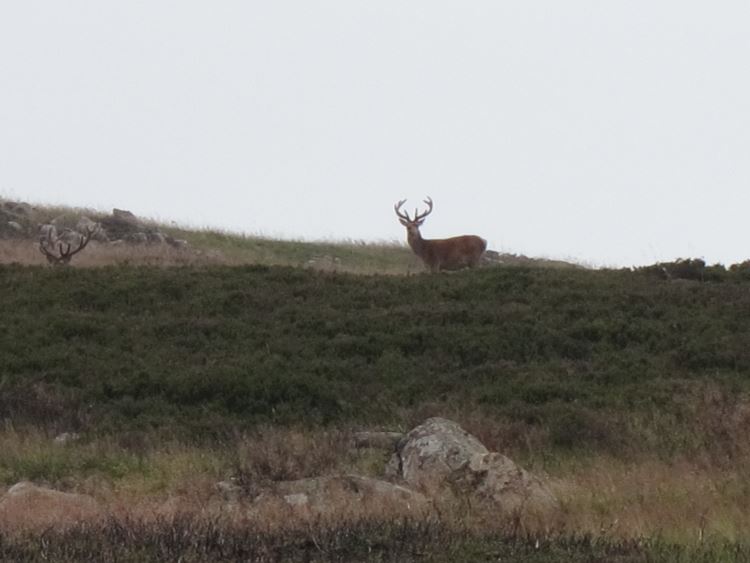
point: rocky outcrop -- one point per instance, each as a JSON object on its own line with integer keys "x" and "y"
{"x": 439, "y": 455}
{"x": 21, "y": 220}
{"x": 494, "y": 258}
{"x": 435, "y": 463}
{"x": 29, "y": 506}
{"x": 122, "y": 225}
{"x": 15, "y": 219}
{"x": 337, "y": 494}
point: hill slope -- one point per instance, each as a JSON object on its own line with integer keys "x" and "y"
{"x": 585, "y": 356}
{"x": 19, "y": 228}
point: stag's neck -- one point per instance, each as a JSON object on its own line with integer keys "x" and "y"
{"x": 416, "y": 242}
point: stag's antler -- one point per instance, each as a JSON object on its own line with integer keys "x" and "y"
{"x": 65, "y": 250}
{"x": 402, "y": 214}
{"x": 418, "y": 217}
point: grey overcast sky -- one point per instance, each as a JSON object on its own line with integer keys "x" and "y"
{"x": 613, "y": 133}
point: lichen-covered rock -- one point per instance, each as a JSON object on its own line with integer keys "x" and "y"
{"x": 431, "y": 452}
{"x": 497, "y": 481}
{"x": 440, "y": 455}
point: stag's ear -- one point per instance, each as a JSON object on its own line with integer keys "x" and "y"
{"x": 404, "y": 223}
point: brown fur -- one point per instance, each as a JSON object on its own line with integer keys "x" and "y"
{"x": 452, "y": 253}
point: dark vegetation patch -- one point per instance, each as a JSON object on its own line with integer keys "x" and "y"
{"x": 588, "y": 358}
{"x": 191, "y": 540}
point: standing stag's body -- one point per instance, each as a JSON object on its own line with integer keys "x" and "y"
{"x": 440, "y": 254}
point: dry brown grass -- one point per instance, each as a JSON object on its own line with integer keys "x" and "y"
{"x": 26, "y": 252}
{"x": 681, "y": 500}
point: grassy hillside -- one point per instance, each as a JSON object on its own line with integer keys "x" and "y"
{"x": 213, "y": 247}
{"x": 590, "y": 358}
{"x": 252, "y": 359}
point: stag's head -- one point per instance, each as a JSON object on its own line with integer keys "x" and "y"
{"x": 60, "y": 249}
{"x": 412, "y": 225}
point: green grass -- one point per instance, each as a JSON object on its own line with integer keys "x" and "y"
{"x": 341, "y": 255}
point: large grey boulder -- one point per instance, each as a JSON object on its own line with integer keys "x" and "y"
{"x": 440, "y": 455}
{"x": 433, "y": 451}
{"x": 26, "y": 505}
{"x": 121, "y": 224}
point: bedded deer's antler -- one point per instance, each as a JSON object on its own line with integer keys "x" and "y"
{"x": 58, "y": 252}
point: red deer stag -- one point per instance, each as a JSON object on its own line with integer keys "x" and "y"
{"x": 440, "y": 254}
{"x": 58, "y": 249}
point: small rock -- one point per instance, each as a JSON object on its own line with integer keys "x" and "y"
{"x": 297, "y": 499}
{"x": 136, "y": 238}
{"x": 67, "y": 437}
{"x": 229, "y": 490}
{"x": 156, "y": 238}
